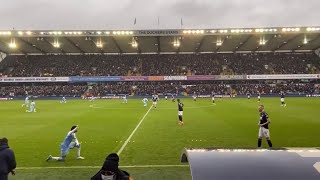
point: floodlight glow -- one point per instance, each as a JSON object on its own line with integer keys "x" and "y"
{"x": 28, "y": 32}
{"x": 20, "y": 33}
{"x": 12, "y": 45}
{"x": 131, "y": 32}
{"x": 305, "y": 40}
{"x": 79, "y": 32}
{"x": 134, "y": 44}
{"x": 59, "y": 32}
{"x": 262, "y": 42}
{"x": 201, "y": 31}
{"x": 107, "y": 32}
{"x": 99, "y": 32}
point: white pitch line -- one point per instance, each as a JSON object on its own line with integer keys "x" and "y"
{"x": 97, "y": 167}
{"x": 135, "y": 129}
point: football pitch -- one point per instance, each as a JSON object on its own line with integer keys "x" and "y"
{"x": 150, "y": 141}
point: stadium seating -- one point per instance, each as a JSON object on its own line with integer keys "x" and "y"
{"x": 149, "y": 89}
{"x": 163, "y": 64}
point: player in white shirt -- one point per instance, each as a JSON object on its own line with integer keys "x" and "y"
{"x": 63, "y": 100}
{"x": 259, "y": 97}
{"x": 92, "y": 98}
{"x": 194, "y": 97}
{"x": 166, "y": 97}
{"x": 32, "y": 107}
{"x": 26, "y": 102}
{"x": 145, "y": 102}
{"x": 125, "y": 100}
{"x": 69, "y": 142}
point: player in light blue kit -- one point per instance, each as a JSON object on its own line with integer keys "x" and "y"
{"x": 69, "y": 142}
{"x": 26, "y": 102}
{"x": 63, "y": 100}
{"x": 125, "y": 100}
{"x": 145, "y": 102}
{"x": 32, "y": 107}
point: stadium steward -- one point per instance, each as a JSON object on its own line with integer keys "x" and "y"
{"x": 7, "y": 160}
{"x": 110, "y": 170}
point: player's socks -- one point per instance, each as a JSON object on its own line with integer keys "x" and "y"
{"x": 259, "y": 142}
{"x": 57, "y": 158}
{"x": 269, "y": 143}
{"x": 78, "y": 152}
{"x": 49, "y": 158}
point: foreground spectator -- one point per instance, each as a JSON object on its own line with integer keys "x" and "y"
{"x": 7, "y": 160}
{"x": 110, "y": 170}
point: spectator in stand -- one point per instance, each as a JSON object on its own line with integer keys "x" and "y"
{"x": 160, "y": 64}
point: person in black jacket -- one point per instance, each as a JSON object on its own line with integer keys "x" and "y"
{"x": 110, "y": 170}
{"x": 7, "y": 160}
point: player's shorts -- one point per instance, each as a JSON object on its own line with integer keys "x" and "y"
{"x": 65, "y": 150}
{"x": 154, "y": 102}
{"x": 282, "y": 99}
{"x": 263, "y": 132}
{"x": 180, "y": 113}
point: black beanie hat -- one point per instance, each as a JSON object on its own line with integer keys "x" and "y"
{"x": 111, "y": 163}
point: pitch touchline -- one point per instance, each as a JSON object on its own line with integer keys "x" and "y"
{"x": 96, "y": 167}
{"x": 135, "y": 129}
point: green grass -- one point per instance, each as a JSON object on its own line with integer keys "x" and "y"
{"x": 158, "y": 141}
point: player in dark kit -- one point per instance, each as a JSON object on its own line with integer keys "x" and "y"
{"x": 180, "y": 112}
{"x": 154, "y": 101}
{"x": 212, "y": 97}
{"x": 282, "y": 99}
{"x": 249, "y": 95}
{"x": 264, "y": 127}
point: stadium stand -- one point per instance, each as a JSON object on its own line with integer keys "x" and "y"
{"x": 237, "y": 88}
{"x": 163, "y": 64}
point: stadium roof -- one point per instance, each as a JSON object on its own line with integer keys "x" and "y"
{"x": 288, "y": 39}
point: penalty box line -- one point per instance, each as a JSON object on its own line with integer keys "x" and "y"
{"x": 97, "y": 167}
{"x": 135, "y": 129}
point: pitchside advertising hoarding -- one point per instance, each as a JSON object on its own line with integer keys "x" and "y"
{"x": 34, "y": 79}
{"x": 158, "y": 78}
{"x": 284, "y": 76}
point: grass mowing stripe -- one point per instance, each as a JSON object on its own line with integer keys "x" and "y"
{"x": 96, "y": 167}
{"x": 135, "y": 129}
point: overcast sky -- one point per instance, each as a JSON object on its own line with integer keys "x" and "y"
{"x": 120, "y": 14}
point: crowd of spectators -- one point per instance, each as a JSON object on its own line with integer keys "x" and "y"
{"x": 149, "y": 89}
{"x": 160, "y": 64}
{"x": 43, "y": 90}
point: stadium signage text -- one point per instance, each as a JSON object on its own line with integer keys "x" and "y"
{"x": 175, "y": 78}
{"x": 34, "y": 79}
{"x": 158, "y": 32}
